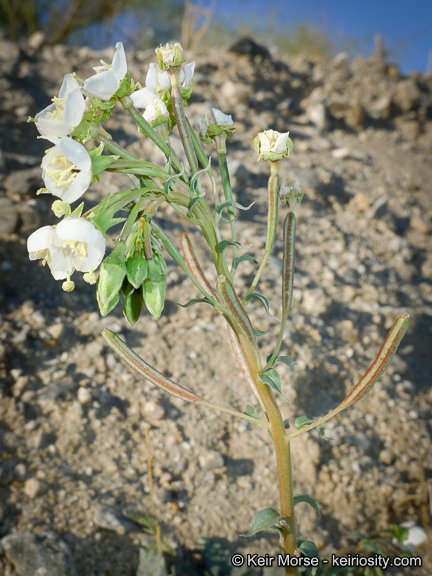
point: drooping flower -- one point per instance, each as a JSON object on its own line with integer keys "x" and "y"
{"x": 105, "y": 83}
{"x": 74, "y": 244}
{"x": 156, "y": 112}
{"x": 60, "y": 118}
{"x": 67, "y": 170}
{"x": 158, "y": 82}
{"x": 272, "y": 145}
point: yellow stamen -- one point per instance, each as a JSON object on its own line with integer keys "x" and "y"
{"x": 41, "y": 191}
{"x": 57, "y": 114}
{"x": 68, "y": 285}
{"x": 44, "y": 255}
{"x": 77, "y": 248}
{"x": 65, "y": 175}
{"x": 90, "y": 277}
{"x": 59, "y": 208}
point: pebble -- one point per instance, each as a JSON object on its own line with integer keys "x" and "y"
{"x": 35, "y": 488}
{"x": 211, "y": 460}
{"x": 314, "y": 301}
{"x": 9, "y": 216}
{"x": 108, "y": 519}
{"x": 41, "y": 554}
{"x": 153, "y": 411}
{"x": 84, "y": 395}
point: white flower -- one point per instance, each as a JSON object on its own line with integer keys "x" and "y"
{"x": 157, "y": 82}
{"x": 155, "y": 110}
{"x": 416, "y": 536}
{"x": 60, "y": 118}
{"x": 106, "y": 82}
{"x": 203, "y": 125}
{"x": 74, "y": 244}
{"x": 170, "y": 55}
{"x": 67, "y": 170}
{"x": 272, "y": 145}
{"x": 272, "y": 141}
{"x": 221, "y": 118}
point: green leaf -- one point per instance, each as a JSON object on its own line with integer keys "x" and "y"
{"x": 196, "y": 301}
{"x": 252, "y": 411}
{"x": 137, "y": 269}
{"x": 225, "y": 243}
{"x": 77, "y": 212}
{"x": 244, "y": 258}
{"x": 286, "y": 423}
{"x": 192, "y": 204}
{"x": 111, "y": 276}
{"x": 398, "y": 532}
{"x": 101, "y": 163}
{"x": 268, "y": 519}
{"x": 154, "y": 297}
{"x": 307, "y": 548}
{"x": 263, "y": 300}
{"x": 371, "y": 546}
{"x": 260, "y": 332}
{"x": 356, "y": 536}
{"x": 302, "y": 421}
{"x": 272, "y": 379}
{"x": 230, "y": 203}
{"x": 321, "y": 430}
{"x": 299, "y": 498}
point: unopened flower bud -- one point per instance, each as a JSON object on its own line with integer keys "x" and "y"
{"x": 170, "y": 56}
{"x": 272, "y": 145}
{"x": 112, "y": 273}
{"x": 59, "y": 208}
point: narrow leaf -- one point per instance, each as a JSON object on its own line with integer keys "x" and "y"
{"x": 299, "y": 498}
{"x": 192, "y": 204}
{"x": 267, "y": 519}
{"x": 195, "y": 301}
{"x": 285, "y": 359}
{"x": 262, "y": 299}
{"x": 101, "y": 163}
{"x": 243, "y": 258}
{"x": 225, "y": 243}
{"x": 260, "y": 332}
{"x": 147, "y": 371}
{"x": 231, "y": 204}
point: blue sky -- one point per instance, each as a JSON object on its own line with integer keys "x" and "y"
{"x": 406, "y": 26}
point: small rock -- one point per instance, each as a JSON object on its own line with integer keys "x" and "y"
{"x": 340, "y": 153}
{"x": 407, "y": 95}
{"x": 42, "y": 554}
{"x": 379, "y": 208}
{"x": 23, "y": 181}
{"x": 9, "y": 51}
{"x": 249, "y": 47}
{"x": 36, "y": 40}
{"x": 410, "y": 129}
{"x": 108, "y": 519}
{"x": 420, "y": 225}
{"x": 9, "y": 216}
{"x": 314, "y": 301}
{"x": 20, "y": 471}
{"x": 83, "y": 395}
{"x": 211, "y": 460}
{"x": 56, "y": 330}
{"x": 153, "y": 411}
{"x": 34, "y": 488}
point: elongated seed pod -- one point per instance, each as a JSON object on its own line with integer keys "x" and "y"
{"x": 242, "y": 325}
{"x": 379, "y": 365}
{"x": 194, "y": 266}
{"x": 288, "y": 262}
{"x": 376, "y": 369}
{"x": 242, "y": 361}
{"x": 147, "y": 371}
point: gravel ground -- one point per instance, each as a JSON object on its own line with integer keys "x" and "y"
{"x": 72, "y": 417}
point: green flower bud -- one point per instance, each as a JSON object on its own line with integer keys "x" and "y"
{"x": 112, "y": 273}
{"x": 132, "y": 302}
{"x": 154, "y": 296}
{"x": 137, "y": 269}
{"x": 272, "y": 145}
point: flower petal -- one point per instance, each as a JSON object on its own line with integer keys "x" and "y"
{"x": 188, "y": 74}
{"x": 280, "y": 145}
{"x": 75, "y": 153}
{"x": 79, "y": 185}
{"x": 69, "y": 85}
{"x": 102, "y": 85}
{"x": 39, "y": 240}
{"x": 156, "y": 78}
{"x": 119, "y": 64}
{"x": 142, "y": 98}
{"x": 221, "y": 118}
{"x": 74, "y": 109}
